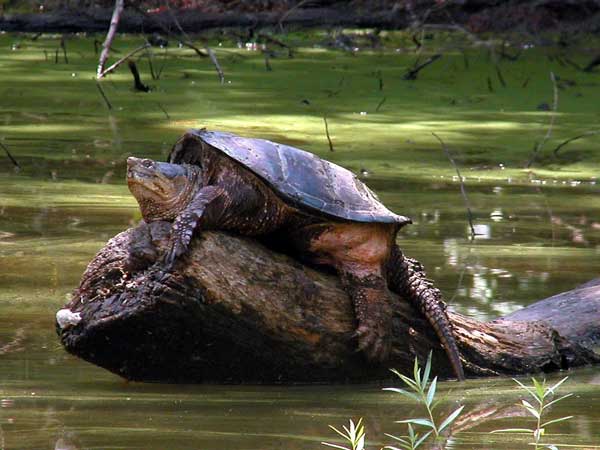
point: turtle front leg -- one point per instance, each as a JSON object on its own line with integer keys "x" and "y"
{"x": 373, "y": 308}
{"x": 207, "y": 204}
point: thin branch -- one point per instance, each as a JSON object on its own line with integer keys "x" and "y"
{"x": 562, "y": 144}
{"x": 289, "y": 11}
{"x": 380, "y": 104}
{"x": 463, "y": 189}
{"x": 137, "y": 80}
{"x": 122, "y": 60}
{"x": 540, "y": 145}
{"x": 327, "y": 133}
{"x": 110, "y": 36}
{"x": 108, "y": 105}
{"x": 164, "y": 111}
{"x": 13, "y": 160}
{"x": 208, "y": 50}
{"x": 215, "y": 62}
{"x": 63, "y": 45}
{"x": 412, "y": 74}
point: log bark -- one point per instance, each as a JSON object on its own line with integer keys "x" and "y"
{"x": 233, "y": 310}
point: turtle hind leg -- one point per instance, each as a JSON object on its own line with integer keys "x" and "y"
{"x": 358, "y": 252}
{"x": 373, "y": 308}
{"x": 407, "y": 278}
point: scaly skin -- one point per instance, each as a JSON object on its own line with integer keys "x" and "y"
{"x": 407, "y": 278}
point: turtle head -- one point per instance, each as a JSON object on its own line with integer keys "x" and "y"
{"x": 162, "y": 190}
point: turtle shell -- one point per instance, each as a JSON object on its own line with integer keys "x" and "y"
{"x": 299, "y": 177}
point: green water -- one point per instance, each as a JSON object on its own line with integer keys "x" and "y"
{"x": 540, "y": 228}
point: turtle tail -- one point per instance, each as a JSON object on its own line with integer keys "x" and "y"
{"x": 407, "y": 278}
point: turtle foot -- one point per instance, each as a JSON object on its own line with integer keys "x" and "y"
{"x": 374, "y": 342}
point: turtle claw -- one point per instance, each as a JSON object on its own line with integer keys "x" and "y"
{"x": 175, "y": 249}
{"x": 374, "y": 342}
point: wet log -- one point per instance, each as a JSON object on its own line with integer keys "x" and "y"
{"x": 233, "y": 310}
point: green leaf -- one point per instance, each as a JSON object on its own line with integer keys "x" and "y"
{"x": 431, "y": 392}
{"x": 513, "y": 430}
{"x": 427, "y": 368}
{"x": 557, "y": 400}
{"x": 338, "y": 432}
{"x": 405, "y": 447}
{"x": 527, "y": 388}
{"x": 540, "y": 388}
{"x": 424, "y": 422}
{"x": 334, "y": 446}
{"x": 417, "y": 374}
{"x": 403, "y": 392}
{"x": 556, "y": 386}
{"x": 450, "y": 418}
{"x": 405, "y": 379}
{"x": 360, "y": 445}
{"x": 556, "y": 421}
{"x": 529, "y": 407}
{"x": 422, "y": 439}
{"x": 399, "y": 439}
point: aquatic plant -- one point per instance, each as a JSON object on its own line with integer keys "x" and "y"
{"x": 540, "y": 393}
{"x": 423, "y": 392}
{"x": 354, "y": 434}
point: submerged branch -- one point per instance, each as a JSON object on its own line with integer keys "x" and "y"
{"x": 327, "y": 134}
{"x": 104, "y": 97}
{"x": 540, "y": 145}
{"x": 13, "y": 160}
{"x": 562, "y": 144}
{"x": 414, "y": 72}
{"x": 463, "y": 190}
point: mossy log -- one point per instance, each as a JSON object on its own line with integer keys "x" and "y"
{"x": 232, "y": 310}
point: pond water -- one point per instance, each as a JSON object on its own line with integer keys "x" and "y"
{"x": 538, "y": 229}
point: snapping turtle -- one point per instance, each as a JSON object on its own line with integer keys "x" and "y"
{"x": 312, "y": 208}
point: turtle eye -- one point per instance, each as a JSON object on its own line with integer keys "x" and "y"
{"x": 148, "y": 163}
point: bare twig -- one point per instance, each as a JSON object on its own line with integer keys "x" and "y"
{"x": 110, "y": 36}
{"x": 540, "y": 145}
{"x": 278, "y": 42}
{"x": 562, "y": 144}
{"x": 500, "y": 77}
{"x": 379, "y": 79}
{"x": 162, "y": 66}
{"x": 289, "y": 11}
{"x": 108, "y": 105}
{"x": 164, "y": 111}
{"x": 122, "y": 60}
{"x": 380, "y": 104}
{"x": 215, "y": 62}
{"x": 13, "y": 160}
{"x": 414, "y": 72}
{"x": 137, "y": 80}
{"x": 267, "y": 62}
{"x": 207, "y": 49}
{"x": 463, "y": 189}
{"x": 327, "y": 133}
{"x": 63, "y": 45}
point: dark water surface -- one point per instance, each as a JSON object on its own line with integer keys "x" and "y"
{"x": 539, "y": 229}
